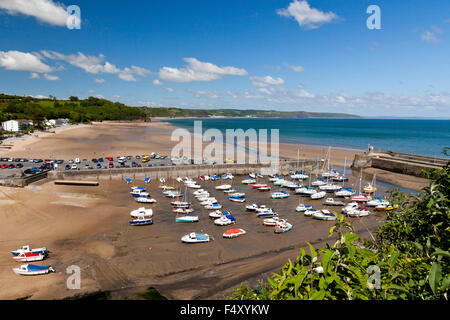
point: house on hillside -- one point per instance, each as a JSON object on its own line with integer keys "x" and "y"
{"x": 16, "y": 125}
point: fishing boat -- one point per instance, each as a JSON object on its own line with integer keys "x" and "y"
{"x": 266, "y": 213}
{"x": 280, "y": 195}
{"x": 358, "y": 212}
{"x": 145, "y": 200}
{"x": 282, "y": 226}
{"x": 233, "y": 233}
{"x": 324, "y": 215}
{"x": 223, "y": 187}
{"x": 311, "y": 212}
{"x": 32, "y": 270}
{"x": 302, "y": 208}
{"x": 187, "y": 218}
{"x": 141, "y": 221}
{"x": 213, "y": 206}
{"x": 216, "y": 214}
{"x": 318, "y": 195}
{"x": 248, "y": 181}
{"x": 225, "y": 220}
{"x": 271, "y": 222}
{"x": 332, "y": 202}
{"x": 26, "y": 249}
{"x": 29, "y": 256}
{"x": 253, "y": 207}
{"x": 194, "y": 237}
{"x": 139, "y": 193}
{"x": 349, "y": 207}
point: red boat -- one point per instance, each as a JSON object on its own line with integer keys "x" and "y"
{"x": 259, "y": 185}
{"x": 233, "y": 233}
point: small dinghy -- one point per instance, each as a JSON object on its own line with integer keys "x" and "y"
{"x": 307, "y": 191}
{"x": 280, "y": 195}
{"x": 264, "y": 188}
{"x": 230, "y": 191}
{"x": 187, "y": 218}
{"x": 199, "y": 191}
{"x": 138, "y": 188}
{"x": 145, "y": 200}
{"x": 248, "y": 181}
{"x": 194, "y": 237}
{"x": 361, "y": 198}
{"x": 254, "y": 207}
{"x": 259, "y": 185}
{"x": 319, "y": 182}
{"x": 225, "y": 220}
{"x": 32, "y": 270}
{"x": 173, "y": 194}
{"x": 236, "y": 195}
{"x": 223, "y": 187}
{"x": 330, "y": 187}
{"x": 271, "y": 222}
{"x": 237, "y": 199}
{"x": 324, "y": 215}
{"x": 233, "y": 233}
{"x": 282, "y": 226}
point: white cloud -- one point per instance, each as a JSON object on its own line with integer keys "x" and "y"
{"x": 296, "y": 68}
{"x": 99, "y": 80}
{"x": 429, "y": 36}
{"x": 50, "y": 77}
{"x": 198, "y": 71}
{"x": 44, "y": 10}
{"x": 170, "y": 90}
{"x": 95, "y": 65}
{"x": 23, "y": 61}
{"x": 265, "y": 90}
{"x": 307, "y": 17}
{"x": 265, "y": 81}
{"x": 206, "y": 94}
{"x": 156, "y": 82}
{"x": 232, "y": 94}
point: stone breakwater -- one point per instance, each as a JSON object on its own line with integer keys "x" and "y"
{"x": 397, "y": 162}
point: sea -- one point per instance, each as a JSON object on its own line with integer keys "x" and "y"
{"x": 421, "y": 137}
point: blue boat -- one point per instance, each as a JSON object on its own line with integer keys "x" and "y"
{"x": 141, "y": 221}
{"x": 32, "y": 270}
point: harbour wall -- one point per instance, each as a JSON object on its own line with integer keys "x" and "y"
{"x": 397, "y": 162}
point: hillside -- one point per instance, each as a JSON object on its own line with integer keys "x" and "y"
{"x": 96, "y": 109}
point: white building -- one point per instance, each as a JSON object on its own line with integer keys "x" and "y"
{"x": 16, "y": 125}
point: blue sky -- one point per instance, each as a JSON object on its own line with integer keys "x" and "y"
{"x": 287, "y": 55}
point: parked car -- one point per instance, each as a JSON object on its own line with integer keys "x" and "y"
{"x": 67, "y": 167}
{"x": 99, "y": 166}
{"x": 111, "y": 165}
{"x": 74, "y": 166}
{"x": 19, "y": 165}
{"x": 100, "y": 159}
{"x": 4, "y": 166}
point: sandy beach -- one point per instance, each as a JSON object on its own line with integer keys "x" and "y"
{"x": 88, "y": 226}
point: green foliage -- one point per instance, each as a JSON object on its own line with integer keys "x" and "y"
{"x": 408, "y": 259}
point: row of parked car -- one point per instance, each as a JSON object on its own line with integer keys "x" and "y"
{"x": 31, "y": 160}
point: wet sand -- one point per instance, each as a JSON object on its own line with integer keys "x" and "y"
{"x": 88, "y": 227}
